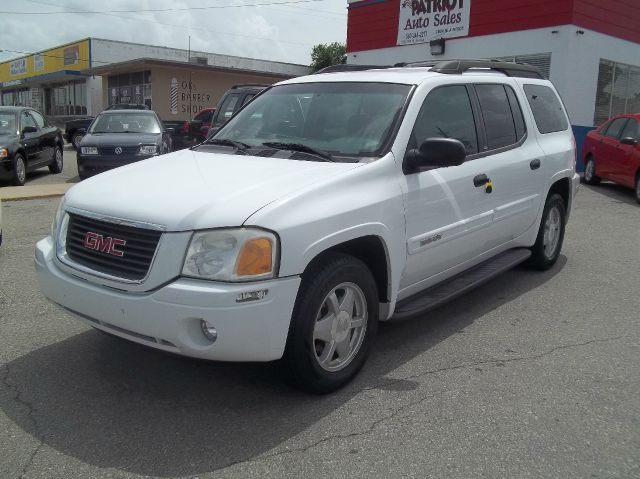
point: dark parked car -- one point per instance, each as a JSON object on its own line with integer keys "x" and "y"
{"x": 27, "y": 142}
{"x": 74, "y": 130}
{"x": 120, "y": 137}
{"x": 612, "y": 152}
{"x": 234, "y": 99}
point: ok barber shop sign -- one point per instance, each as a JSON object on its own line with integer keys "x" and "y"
{"x": 425, "y": 20}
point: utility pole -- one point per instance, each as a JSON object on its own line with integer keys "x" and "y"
{"x": 190, "y": 118}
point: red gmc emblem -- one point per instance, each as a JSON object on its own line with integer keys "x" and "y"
{"x": 107, "y": 245}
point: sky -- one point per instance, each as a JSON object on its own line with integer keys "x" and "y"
{"x": 278, "y": 30}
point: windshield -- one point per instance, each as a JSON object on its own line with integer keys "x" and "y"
{"x": 343, "y": 119}
{"x": 8, "y": 123}
{"x": 124, "y": 122}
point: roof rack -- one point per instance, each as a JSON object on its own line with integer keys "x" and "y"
{"x": 457, "y": 67}
{"x": 344, "y": 67}
{"x": 449, "y": 67}
{"x": 249, "y": 85}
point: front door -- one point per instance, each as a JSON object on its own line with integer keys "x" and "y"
{"x": 448, "y": 216}
{"x": 609, "y": 149}
{"x": 30, "y": 140}
{"x": 624, "y": 169}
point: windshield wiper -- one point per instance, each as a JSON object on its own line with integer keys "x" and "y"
{"x": 299, "y": 147}
{"x": 238, "y": 145}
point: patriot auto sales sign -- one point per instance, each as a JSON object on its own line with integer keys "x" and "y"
{"x": 425, "y": 20}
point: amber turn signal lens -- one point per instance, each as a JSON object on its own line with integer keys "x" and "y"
{"x": 255, "y": 258}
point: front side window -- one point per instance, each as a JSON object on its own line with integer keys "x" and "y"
{"x": 631, "y": 130}
{"x": 38, "y": 118}
{"x": 125, "y": 123}
{"x": 446, "y": 113}
{"x": 615, "y": 127}
{"x": 27, "y": 120}
{"x": 227, "y": 108}
{"x": 343, "y": 119}
{"x": 547, "y": 109}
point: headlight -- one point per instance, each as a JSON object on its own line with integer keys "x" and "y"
{"x": 148, "y": 150}
{"x": 242, "y": 254}
{"x": 4, "y": 152}
{"x": 89, "y": 150}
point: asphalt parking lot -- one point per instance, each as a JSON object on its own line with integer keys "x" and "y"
{"x": 532, "y": 375}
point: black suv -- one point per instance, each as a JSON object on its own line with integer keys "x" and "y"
{"x": 234, "y": 99}
{"x": 27, "y": 142}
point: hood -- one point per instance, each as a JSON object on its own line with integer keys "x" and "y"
{"x": 120, "y": 139}
{"x": 195, "y": 190}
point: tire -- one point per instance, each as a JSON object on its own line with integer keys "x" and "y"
{"x": 19, "y": 170}
{"x": 590, "y": 176}
{"x": 58, "y": 161}
{"x": 329, "y": 341}
{"x": 546, "y": 249}
{"x": 76, "y": 139}
{"x": 638, "y": 187}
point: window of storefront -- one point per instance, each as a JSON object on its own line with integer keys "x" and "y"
{"x": 618, "y": 90}
{"x": 68, "y": 99}
{"x": 540, "y": 60}
{"x": 130, "y": 88}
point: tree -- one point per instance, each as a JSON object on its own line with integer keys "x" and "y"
{"x": 324, "y": 55}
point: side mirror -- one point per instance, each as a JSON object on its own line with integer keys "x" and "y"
{"x": 170, "y": 131}
{"x": 435, "y": 153}
{"x": 29, "y": 129}
{"x": 627, "y": 140}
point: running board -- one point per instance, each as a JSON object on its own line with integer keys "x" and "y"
{"x": 441, "y": 293}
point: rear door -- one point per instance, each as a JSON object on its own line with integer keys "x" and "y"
{"x": 447, "y": 215}
{"x": 512, "y": 162}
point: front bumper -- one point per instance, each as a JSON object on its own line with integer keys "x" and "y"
{"x": 168, "y": 317}
{"x": 89, "y": 165}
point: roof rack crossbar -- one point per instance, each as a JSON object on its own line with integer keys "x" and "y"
{"x": 350, "y": 67}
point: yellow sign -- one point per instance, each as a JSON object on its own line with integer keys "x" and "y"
{"x": 73, "y": 56}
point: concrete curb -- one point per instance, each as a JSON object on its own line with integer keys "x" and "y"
{"x": 19, "y": 193}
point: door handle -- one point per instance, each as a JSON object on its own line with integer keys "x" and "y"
{"x": 535, "y": 164}
{"x": 480, "y": 180}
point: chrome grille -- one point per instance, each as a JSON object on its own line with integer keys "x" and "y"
{"x": 137, "y": 251}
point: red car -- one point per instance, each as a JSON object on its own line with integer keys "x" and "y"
{"x": 612, "y": 152}
{"x": 201, "y": 124}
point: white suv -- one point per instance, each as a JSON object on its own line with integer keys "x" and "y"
{"x": 327, "y": 204}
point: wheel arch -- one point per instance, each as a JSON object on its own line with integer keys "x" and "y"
{"x": 372, "y": 251}
{"x": 562, "y": 187}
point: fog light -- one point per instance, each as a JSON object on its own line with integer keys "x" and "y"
{"x": 252, "y": 296}
{"x": 209, "y": 331}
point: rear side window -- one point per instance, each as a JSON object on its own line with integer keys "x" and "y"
{"x": 615, "y": 127}
{"x": 547, "y": 109}
{"x": 498, "y": 119}
{"x": 205, "y": 116}
{"x": 446, "y": 113}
